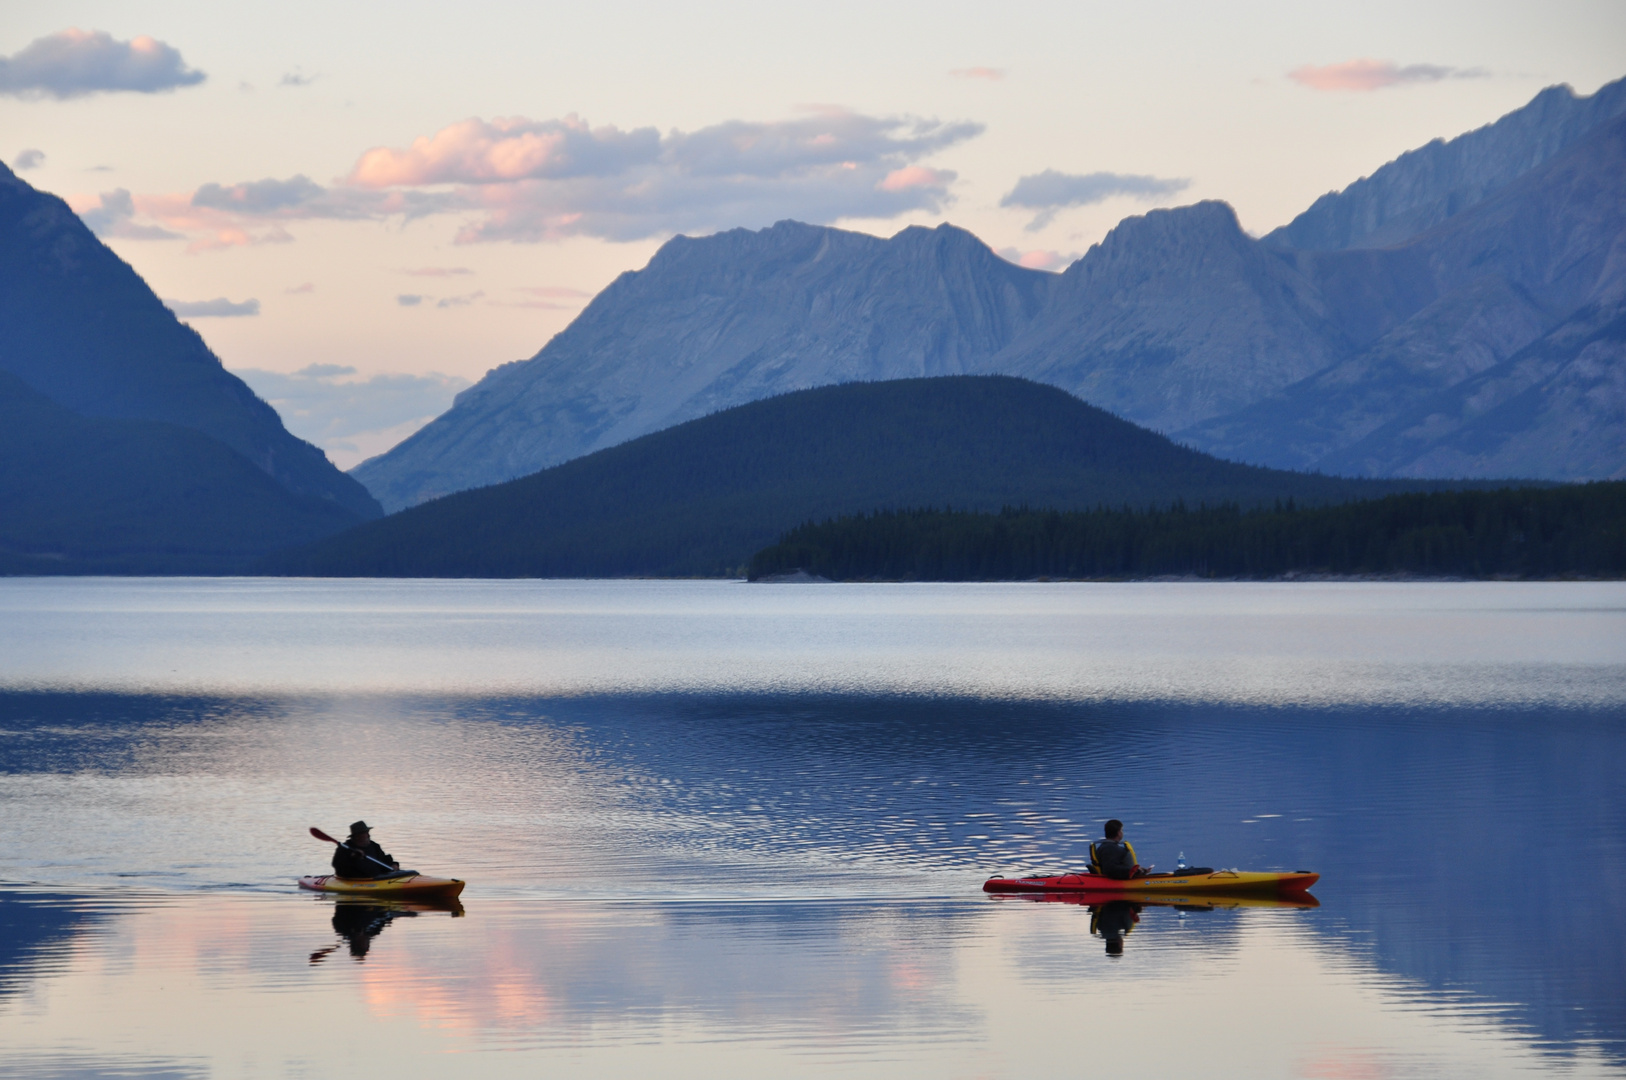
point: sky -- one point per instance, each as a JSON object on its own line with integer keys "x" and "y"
{"x": 363, "y": 207}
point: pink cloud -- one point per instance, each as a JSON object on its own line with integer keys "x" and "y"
{"x": 475, "y": 151}
{"x": 1038, "y": 259}
{"x": 308, "y": 287}
{"x": 915, "y": 176}
{"x": 516, "y": 179}
{"x": 74, "y": 62}
{"x": 232, "y": 237}
{"x": 991, "y": 74}
{"x": 1365, "y": 75}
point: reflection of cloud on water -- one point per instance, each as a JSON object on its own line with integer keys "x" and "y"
{"x": 567, "y": 972}
{"x": 725, "y": 989}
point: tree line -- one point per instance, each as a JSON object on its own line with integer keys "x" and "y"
{"x": 1573, "y": 530}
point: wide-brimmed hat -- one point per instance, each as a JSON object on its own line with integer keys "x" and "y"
{"x": 359, "y": 827}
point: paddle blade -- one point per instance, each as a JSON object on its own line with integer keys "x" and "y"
{"x": 320, "y": 835}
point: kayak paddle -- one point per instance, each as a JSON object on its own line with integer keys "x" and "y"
{"x": 320, "y": 835}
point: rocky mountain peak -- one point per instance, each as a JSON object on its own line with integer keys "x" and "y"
{"x": 1423, "y": 187}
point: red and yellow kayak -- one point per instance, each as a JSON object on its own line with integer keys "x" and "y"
{"x": 1231, "y": 882}
{"x": 1187, "y": 902}
{"x": 403, "y": 886}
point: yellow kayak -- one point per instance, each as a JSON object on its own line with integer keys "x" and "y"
{"x": 1199, "y": 880}
{"x": 404, "y": 886}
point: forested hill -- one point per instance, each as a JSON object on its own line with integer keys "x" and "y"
{"x": 698, "y": 499}
{"x": 1570, "y": 531}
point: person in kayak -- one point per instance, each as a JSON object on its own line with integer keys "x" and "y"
{"x": 350, "y": 859}
{"x": 1113, "y": 857}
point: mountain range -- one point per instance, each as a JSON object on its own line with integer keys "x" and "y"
{"x": 699, "y": 498}
{"x": 1456, "y": 313}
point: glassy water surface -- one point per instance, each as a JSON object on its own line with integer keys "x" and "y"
{"x": 714, "y": 829}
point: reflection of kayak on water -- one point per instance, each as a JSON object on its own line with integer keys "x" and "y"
{"x": 408, "y": 884}
{"x": 359, "y": 920}
{"x": 1201, "y": 880}
{"x": 1193, "y": 902}
{"x": 1115, "y": 915}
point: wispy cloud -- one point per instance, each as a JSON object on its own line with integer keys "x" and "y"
{"x": 521, "y": 180}
{"x": 1050, "y": 192}
{"x": 112, "y": 218}
{"x": 296, "y": 77}
{"x": 1366, "y": 75}
{"x": 546, "y": 298}
{"x": 409, "y": 299}
{"x": 217, "y": 217}
{"x": 298, "y": 290}
{"x": 328, "y": 405}
{"x": 458, "y": 301}
{"x": 75, "y": 62}
{"x": 438, "y": 271}
{"x": 554, "y": 292}
{"x": 546, "y": 180}
{"x": 218, "y": 308}
{"x": 28, "y": 159}
{"x": 991, "y": 74}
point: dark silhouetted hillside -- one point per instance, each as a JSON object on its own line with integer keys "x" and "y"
{"x": 83, "y": 495}
{"x": 81, "y": 327}
{"x": 699, "y": 498}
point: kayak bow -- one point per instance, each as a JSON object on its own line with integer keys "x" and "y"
{"x": 1206, "y": 881}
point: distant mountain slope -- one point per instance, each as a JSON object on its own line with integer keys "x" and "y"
{"x": 716, "y": 322}
{"x": 699, "y": 498}
{"x": 1556, "y": 408}
{"x": 83, "y": 495}
{"x": 1515, "y": 299}
{"x": 1175, "y": 317}
{"x": 81, "y": 327}
{"x": 1423, "y": 187}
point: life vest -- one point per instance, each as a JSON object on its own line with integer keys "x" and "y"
{"x": 1119, "y": 860}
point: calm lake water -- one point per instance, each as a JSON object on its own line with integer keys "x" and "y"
{"x": 722, "y": 830}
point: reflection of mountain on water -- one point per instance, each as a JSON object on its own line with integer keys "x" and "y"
{"x": 34, "y": 928}
{"x": 1423, "y": 822}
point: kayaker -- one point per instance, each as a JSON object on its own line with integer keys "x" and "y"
{"x": 1113, "y": 857}
{"x": 350, "y": 859}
